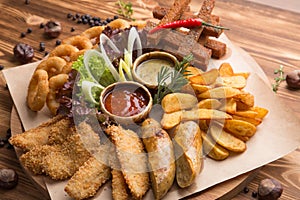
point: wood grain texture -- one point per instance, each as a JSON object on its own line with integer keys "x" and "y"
{"x": 270, "y": 35}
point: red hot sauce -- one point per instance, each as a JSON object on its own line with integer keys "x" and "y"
{"x": 125, "y": 101}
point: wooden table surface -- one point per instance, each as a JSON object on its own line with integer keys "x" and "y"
{"x": 270, "y": 35}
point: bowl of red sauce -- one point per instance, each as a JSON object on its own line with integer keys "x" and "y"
{"x": 126, "y": 102}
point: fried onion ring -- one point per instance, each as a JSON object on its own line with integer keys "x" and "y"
{"x": 55, "y": 83}
{"x": 93, "y": 34}
{"x": 119, "y": 23}
{"x": 64, "y": 51}
{"x": 53, "y": 65}
{"x": 80, "y": 42}
{"x": 38, "y": 90}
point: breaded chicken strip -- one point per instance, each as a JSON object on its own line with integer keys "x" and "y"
{"x": 133, "y": 160}
{"x": 118, "y": 183}
{"x": 61, "y": 161}
{"x": 60, "y": 131}
{"x": 37, "y": 136}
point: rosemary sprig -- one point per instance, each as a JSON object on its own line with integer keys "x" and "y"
{"x": 125, "y": 9}
{"x": 278, "y": 79}
{"x": 176, "y": 77}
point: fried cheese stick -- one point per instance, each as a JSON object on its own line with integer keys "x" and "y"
{"x": 133, "y": 160}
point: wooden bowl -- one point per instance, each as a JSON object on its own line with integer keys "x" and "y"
{"x": 126, "y": 102}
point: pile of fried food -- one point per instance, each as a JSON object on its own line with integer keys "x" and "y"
{"x": 213, "y": 115}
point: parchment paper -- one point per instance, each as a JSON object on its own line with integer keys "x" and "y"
{"x": 277, "y": 136}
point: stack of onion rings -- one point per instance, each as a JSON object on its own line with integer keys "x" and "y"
{"x": 51, "y": 74}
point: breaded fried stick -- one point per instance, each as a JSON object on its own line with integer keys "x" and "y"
{"x": 120, "y": 189}
{"x": 133, "y": 160}
{"x": 37, "y": 136}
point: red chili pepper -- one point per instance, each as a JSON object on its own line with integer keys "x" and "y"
{"x": 187, "y": 23}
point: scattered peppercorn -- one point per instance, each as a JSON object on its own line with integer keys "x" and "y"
{"x": 23, "y": 34}
{"x": 27, "y": 2}
{"x": 42, "y": 25}
{"x": 42, "y": 46}
{"x": 254, "y": 194}
{"x": 2, "y": 143}
{"x": 46, "y": 53}
{"x": 57, "y": 42}
{"x": 246, "y": 190}
{"x": 1, "y": 67}
{"x": 116, "y": 17}
{"x": 69, "y": 15}
{"x": 72, "y": 29}
{"x": 23, "y": 52}
{"x": 29, "y": 30}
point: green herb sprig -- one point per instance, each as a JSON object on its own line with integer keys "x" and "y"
{"x": 177, "y": 79}
{"x": 278, "y": 79}
{"x": 125, "y": 9}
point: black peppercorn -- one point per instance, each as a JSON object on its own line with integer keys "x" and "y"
{"x": 254, "y": 194}
{"x": 42, "y": 46}
{"x": 2, "y": 143}
{"x": 69, "y": 15}
{"x": 246, "y": 190}
{"x": 23, "y": 34}
{"x": 1, "y": 67}
{"x": 27, "y": 2}
{"x": 29, "y": 30}
{"x": 57, "y": 42}
{"x": 42, "y": 25}
{"x": 46, "y": 53}
{"x": 72, "y": 29}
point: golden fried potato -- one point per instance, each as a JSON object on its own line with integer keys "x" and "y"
{"x": 161, "y": 158}
{"x": 178, "y": 101}
{"x": 225, "y": 70}
{"x": 219, "y": 93}
{"x": 170, "y": 120}
{"x": 239, "y": 127}
{"x": 255, "y": 121}
{"x": 198, "y": 89}
{"x": 226, "y": 140}
{"x": 238, "y": 82}
{"x": 207, "y": 114}
{"x": 244, "y": 74}
{"x": 247, "y": 113}
{"x": 228, "y": 105}
{"x": 261, "y": 112}
{"x": 192, "y": 71}
{"x": 212, "y": 149}
{"x": 188, "y": 151}
{"x": 209, "y": 104}
{"x": 206, "y": 78}
{"x": 246, "y": 98}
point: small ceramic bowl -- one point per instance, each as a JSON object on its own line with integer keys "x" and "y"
{"x": 147, "y": 66}
{"x": 126, "y": 102}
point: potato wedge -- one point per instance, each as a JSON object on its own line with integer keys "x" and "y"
{"x": 261, "y": 112}
{"x": 238, "y": 82}
{"x": 178, "y": 101}
{"x": 228, "y": 105}
{"x": 246, "y": 98}
{"x": 205, "y": 78}
{"x": 203, "y": 114}
{"x": 247, "y": 113}
{"x": 188, "y": 152}
{"x": 227, "y": 140}
{"x": 244, "y": 74}
{"x": 170, "y": 120}
{"x": 239, "y": 127}
{"x": 161, "y": 158}
{"x": 212, "y": 149}
{"x": 255, "y": 121}
{"x": 225, "y": 70}
{"x": 192, "y": 71}
{"x": 200, "y": 88}
{"x": 209, "y": 104}
{"x": 219, "y": 93}
{"x": 240, "y": 106}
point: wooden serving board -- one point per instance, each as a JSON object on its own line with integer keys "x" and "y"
{"x": 224, "y": 190}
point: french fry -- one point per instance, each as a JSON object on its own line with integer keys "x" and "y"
{"x": 200, "y": 88}
{"x": 212, "y": 149}
{"x": 206, "y": 78}
{"x": 219, "y": 93}
{"x": 204, "y": 114}
{"x": 261, "y": 112}
{"x": 178, "y": 101}
{"x": 228, "y": 105}
{"x": 238, "y": 82}
{"x": 247, "y": 113}
{"x": 255, "y": 121}
{"x": 170, "y": 120}
{"x": 225, "y": 70}
{"x": 246, "y": 98}
{"x": 209, "y": 104}
{"x": 227, "y": 140}
{"x": 239, "y": 127}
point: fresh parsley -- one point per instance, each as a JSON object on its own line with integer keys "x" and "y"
{"x": 177, "y": 79}
{"x": 278, "y": 79}
{"x": 125, "y": 9}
